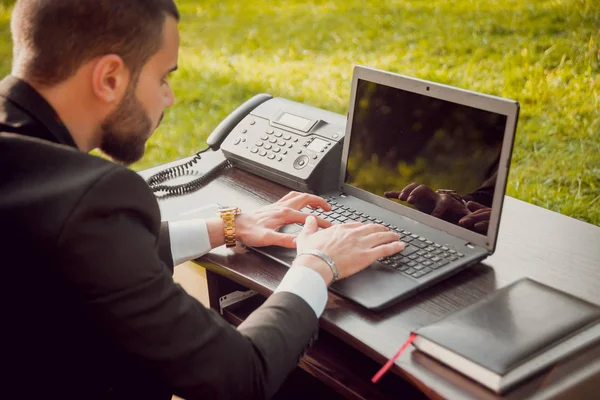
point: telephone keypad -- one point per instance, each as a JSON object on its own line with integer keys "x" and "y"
{"x": 274, "y": 144}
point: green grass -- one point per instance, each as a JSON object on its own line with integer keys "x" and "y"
{"x": 543, "y": 53}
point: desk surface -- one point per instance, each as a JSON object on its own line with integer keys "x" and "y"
{"x": 548, "y": 247}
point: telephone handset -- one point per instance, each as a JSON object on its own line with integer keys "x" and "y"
{"x": 157, "y": 182}
{"x": 291, "y": 143}
{"x": 226, "y": 126}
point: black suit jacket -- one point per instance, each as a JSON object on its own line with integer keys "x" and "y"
{"x": 89, "y": 306}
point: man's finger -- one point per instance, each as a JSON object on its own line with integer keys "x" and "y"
{"x": 291, "y": 216}
{"x": 305, "y": 199}
{"x": 442, "y": 205}
{"x": 322, "y": 223}
{"x": 290, "y": 195}
{"x": 310, "y": 225}
{"x": 482, "y": 215}
{"x": 371, "y": 228}
{"x": 482, "y": 227}
{"x": 405, "y": 193}
{"x": 392, "y": 195}
{"x": 474, "y": 206}
{"x": 386, "y": 250}
{"x": 351, "y": 225}
{"x": 379, "y": 238}
{"x": 422, "y": 196}
{"x": 280, "y": 239}
{"x": 473, "y": 219}
{"x": 466, "y": 221}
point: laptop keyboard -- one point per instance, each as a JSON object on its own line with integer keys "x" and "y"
{"x": 420, "y": 257}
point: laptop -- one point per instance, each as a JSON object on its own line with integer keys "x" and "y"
{"x": 428, "y": 161}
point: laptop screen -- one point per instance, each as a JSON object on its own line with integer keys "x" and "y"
{"x": 432, "y": 155}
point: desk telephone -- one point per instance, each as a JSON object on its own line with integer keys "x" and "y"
{"x": 296, "y": 145}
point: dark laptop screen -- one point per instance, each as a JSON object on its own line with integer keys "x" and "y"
{"x": 429, "y": 154}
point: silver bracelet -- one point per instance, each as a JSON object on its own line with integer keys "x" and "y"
{"x": 325, "y": 258}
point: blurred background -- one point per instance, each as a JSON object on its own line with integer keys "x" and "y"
{"x": 543, "y": 53}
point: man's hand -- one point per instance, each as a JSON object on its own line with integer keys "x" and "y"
{"x": 260, "y": 228}
{"x": 478, "y": 219}
{"x": 426, "y": 200}
{"x": 352, "y": 246}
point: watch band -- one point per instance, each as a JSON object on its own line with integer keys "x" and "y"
{"x": 327, "y": 259}
{"x": 453, "y": 194}
{"x": 228, "y": 217}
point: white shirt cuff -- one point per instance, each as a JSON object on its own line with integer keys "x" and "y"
{"x": 308, "y": 284}
{"x": 189, "y": 240}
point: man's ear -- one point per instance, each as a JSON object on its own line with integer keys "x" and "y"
{"x": 110, "y": 78}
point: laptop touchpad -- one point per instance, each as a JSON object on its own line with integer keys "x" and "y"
{"x": 376, "y": 287}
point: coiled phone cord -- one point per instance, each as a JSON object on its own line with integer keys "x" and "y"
{"x": 157, "y": 181}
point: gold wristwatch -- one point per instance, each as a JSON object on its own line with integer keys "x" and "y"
{"x": 228, "y": 214}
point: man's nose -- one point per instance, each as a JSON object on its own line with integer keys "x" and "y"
{"x": 170, "y": 98}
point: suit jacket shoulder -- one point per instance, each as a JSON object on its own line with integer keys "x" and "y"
{"x": 58, "y": 177}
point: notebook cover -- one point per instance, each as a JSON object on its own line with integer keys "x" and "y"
{"x": 512, "y": 325}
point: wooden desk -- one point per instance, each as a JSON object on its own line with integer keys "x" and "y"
{"x": 533, "y": 242}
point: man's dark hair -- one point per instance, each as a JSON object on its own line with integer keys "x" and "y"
{"x": 54, "y": 38}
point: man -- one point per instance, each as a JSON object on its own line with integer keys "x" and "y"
{"x": 89, "y": 306}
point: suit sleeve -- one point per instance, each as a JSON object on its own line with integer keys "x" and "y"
{"x": 164, "y": 246}
{"x": 110, "y": 256}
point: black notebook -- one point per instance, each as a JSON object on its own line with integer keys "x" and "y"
{"x": 511, "y": 334}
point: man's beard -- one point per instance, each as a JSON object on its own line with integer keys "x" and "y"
{"x": 125, "y": 130}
